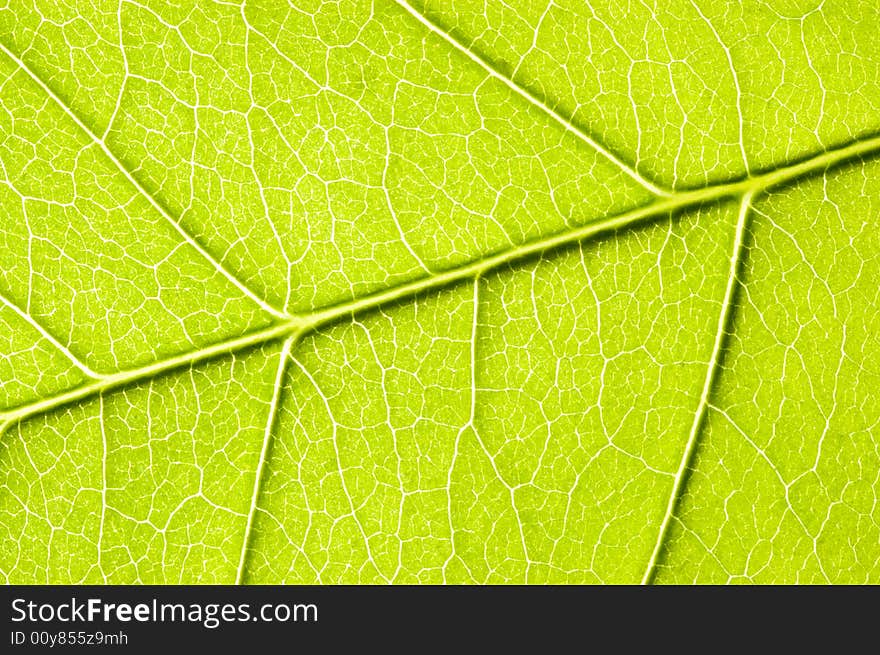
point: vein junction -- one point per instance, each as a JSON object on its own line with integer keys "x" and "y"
{"x": 297, "y": 325}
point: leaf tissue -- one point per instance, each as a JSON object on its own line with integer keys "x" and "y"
{"x": 477, "y": 291}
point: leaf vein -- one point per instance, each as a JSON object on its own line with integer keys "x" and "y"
{"x": 299, "y": 325}
{"x": 532, "y": 99}
{"x": 712, "y": 369}
{"x": 141, "y": 189}
{"x": 264, "y": 450}
{"x": 48, "y": 336}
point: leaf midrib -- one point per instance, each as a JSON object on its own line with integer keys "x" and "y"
{"x": 299, "y": 325}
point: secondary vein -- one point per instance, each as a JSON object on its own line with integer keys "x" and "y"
{"x": 264, "y": 449}
{"x": 724, "y": 318}
{"x": 101, "y": 143}
{"x": 48, "y": 336}
{"x": 521, "y": 91}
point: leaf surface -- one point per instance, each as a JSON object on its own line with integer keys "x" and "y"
{"x": 439, "y": 292}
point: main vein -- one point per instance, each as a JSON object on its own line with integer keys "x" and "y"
{"x": 299, "y": 325}
{"x": 124, "y": 378}
{"x": 724, "y": 317}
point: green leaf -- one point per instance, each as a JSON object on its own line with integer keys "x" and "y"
{"x": 439, "y": 292}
